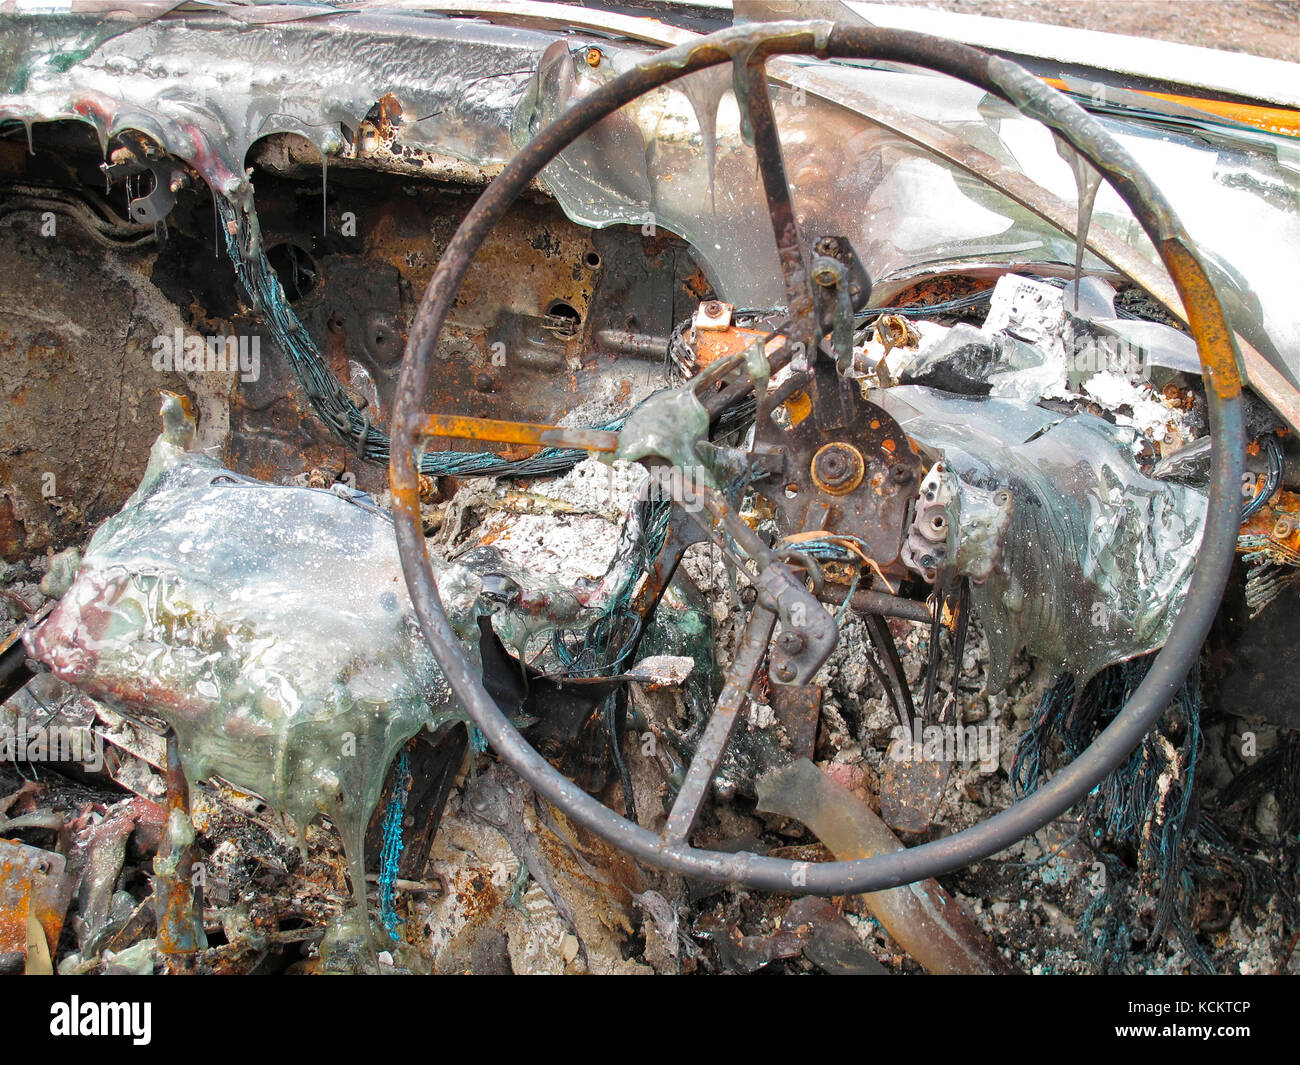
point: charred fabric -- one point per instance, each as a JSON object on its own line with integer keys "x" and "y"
{"x": 788, "y": 506}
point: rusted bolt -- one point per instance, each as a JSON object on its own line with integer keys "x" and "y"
{"x": 838, "y": 468}
{"x": 594, "y": 57}
{"x": 483, "y": 382}
{"x": 825, "y": 276}
{"x": 900, "y": 473}
{"x": 792, "y": 643}
{"x": 713, "y": 314}
{"x": 784, "y": 672}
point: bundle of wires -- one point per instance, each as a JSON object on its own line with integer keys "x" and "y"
{"x": 918, "y": 310}
{"x": 328, "y": 398}
{"x": 337, "y": 410}
{"x": 603, "y": 647}
{"x": 1141, "y": 809}
{"x": 390, "y": 854}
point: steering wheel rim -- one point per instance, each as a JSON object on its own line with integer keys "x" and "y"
{"x": 1219, "y": 362}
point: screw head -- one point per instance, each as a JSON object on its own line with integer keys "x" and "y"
{"x": 791, "y": 642}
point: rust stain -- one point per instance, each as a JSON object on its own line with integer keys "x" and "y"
{"x": 461, "y": 427}
{"x": 31, "y": 881}
{"x": 932, "y": 290}
{"x": 714, "y": 344}
{"x": 798, "y": 406}
{"x": 1213, "y": 339}
{"x": 1277, "y": 522}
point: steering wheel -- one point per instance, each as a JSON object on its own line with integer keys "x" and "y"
{"x": 749, "y": 47}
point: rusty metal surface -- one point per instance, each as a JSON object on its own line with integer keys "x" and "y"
{"x": 32, "y": 881}
{"x": 870, "y": 501}
{"x": 714, "y": 344}
{"x": 524, "y": 339}
{"x": 798, "y": 708}
{"x": 1278, "y": 521}
{"x": 460, "y": 427}
{"x": 178, "y": 929}
{"x": 911, "y": 791}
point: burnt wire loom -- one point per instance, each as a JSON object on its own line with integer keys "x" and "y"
{"x": 390, "y": 855}
{"x": 603, "y": 647}
{"x": 1143, "y": 823}
{"x": 1141, "y": 808}
{"x": 327, "y": 397}
{"x": 335, "y": 407}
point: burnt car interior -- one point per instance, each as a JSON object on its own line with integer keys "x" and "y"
{"x": 531, "y": 488}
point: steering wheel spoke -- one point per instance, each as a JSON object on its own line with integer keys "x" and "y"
{"x": 731, "y": 704}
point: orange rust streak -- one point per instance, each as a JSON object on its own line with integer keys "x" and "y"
{"x": 798, "y": 406}
{"x": 714, "y": 344}
{"x": 1213, "y": 339}
{"x": 1273, "y": 119}
{"x": 462, "y": 427}
{"x": 1278, "y": 521}
{"x": 13, "y": 923}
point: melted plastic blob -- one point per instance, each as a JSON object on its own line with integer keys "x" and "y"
{"x": 1097, "y": 556}
{"x": 269, "y": 626}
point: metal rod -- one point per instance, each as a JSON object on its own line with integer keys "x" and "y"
{"x": 889, "y": 606}
{"x": 177, "y": 929}
{"x": 717, "y": 733}
{"x": 463, "y": 427}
